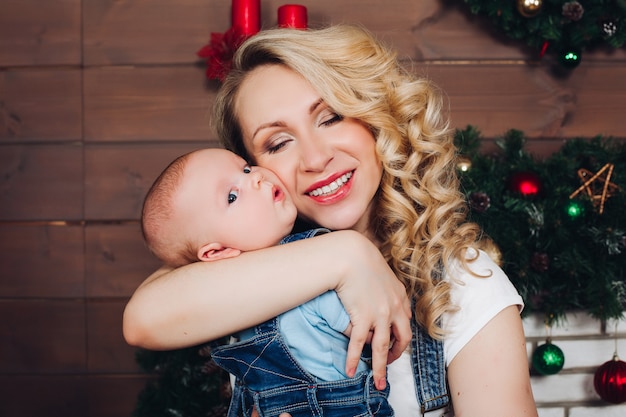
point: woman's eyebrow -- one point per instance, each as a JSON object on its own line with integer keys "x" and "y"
{"x": 315, "y": 105}
{"x": 268, "y": 125}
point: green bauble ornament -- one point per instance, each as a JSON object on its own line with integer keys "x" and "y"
{"x": 548, "y": 359}
{"x": 575, "y": 209}
{"x": 570, "y": 58}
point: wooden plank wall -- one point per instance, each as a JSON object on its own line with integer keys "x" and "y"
{"x": 96, "y": 96}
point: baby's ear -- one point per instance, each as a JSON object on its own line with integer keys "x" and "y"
{"x": 215, "y": 252}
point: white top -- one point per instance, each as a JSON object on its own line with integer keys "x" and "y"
{"x": 478, "y": 300}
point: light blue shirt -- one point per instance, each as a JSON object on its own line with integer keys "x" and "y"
{"x": 314, "y": 335}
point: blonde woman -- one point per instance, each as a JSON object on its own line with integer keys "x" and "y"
{"x": 364, "y": 149}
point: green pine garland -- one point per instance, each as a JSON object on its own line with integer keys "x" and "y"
{"x": 558, "y": 261}
{"x": 187, "y": 384}
{"x": 579, "y": 26}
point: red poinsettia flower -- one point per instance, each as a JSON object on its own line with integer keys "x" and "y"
{"x": 219, "y": 52}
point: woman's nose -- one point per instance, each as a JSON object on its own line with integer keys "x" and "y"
{"x": 315, "y": 154}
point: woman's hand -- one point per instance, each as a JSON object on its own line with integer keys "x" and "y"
{"x": 377, "y": 304}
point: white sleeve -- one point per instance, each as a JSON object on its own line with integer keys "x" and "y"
{"x": 477, "y": 299}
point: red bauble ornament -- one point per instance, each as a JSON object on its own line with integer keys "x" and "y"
{"x": 610, "y": 381}
{"x": 526, "y": 183}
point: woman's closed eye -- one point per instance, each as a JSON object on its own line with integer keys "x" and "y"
{"x": 331, "y": 119}
{"x": 276, "y": 145}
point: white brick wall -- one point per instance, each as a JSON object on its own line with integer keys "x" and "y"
{"x": 586, "y": 343}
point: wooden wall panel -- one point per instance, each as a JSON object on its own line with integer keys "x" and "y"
{"x": 70, "y": 395}
{"x": 40, "y": 260}
{"x": 45, "y": 396}
{"x": 117, "y": 177}
{"x": 136, "y": 33}
{"x": 600, "y": 101}
{"x": 40, "y": 105}
{"x": 450, "y": 32}
{"x": 116, "y": 259}
{"x": 150, "y": 31}
{"x": 42, "y": 336}
{"x": 114, "y": 396}
{"x": 499, "y": 97}
{"x": 108, "y": 353}
{"x": 147, "y": 104}
{"x": 393, "y": 20}
{"x": 496, "y": 98}
{"x": 43, "y": 182}
{"x": 34, "y": 32}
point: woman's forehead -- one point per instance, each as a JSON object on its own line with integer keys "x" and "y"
{"x": 270, "y": 94}
{"x": 274, "y": 84}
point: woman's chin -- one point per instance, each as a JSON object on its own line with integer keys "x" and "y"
{"x": 342, "y": 222}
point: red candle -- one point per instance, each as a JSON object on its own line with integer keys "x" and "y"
{"x": 292, "y": 16}
{"x": 247, "y": 16}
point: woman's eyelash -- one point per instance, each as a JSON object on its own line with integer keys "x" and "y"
{"x": 275, "y": 148}
{"x": 334, "y": 119}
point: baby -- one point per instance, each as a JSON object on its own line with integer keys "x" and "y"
{"x": 209, "y": 205}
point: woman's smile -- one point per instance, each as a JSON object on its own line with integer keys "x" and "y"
{"x": 325, "y": 189}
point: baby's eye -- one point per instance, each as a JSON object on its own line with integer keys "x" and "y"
{"x": 247, "y": 169}
{"x": 232, "y": 196}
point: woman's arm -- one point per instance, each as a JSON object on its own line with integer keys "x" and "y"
{"x": 206, "y": 300}
{"x": 490, "y": 376}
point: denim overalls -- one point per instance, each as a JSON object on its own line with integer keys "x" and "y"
{"x": 271, "y": 380}
{"x": 429, "y": 370}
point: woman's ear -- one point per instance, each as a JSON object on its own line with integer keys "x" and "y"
{"x": 215, "y": 252}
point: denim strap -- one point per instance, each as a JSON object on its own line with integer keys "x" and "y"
{"x": 304, "y": 235}
{"x": 429, "y": 368}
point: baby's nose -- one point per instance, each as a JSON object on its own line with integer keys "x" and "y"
{"x": 257, "y": 178}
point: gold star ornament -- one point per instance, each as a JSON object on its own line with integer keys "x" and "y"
{"x": 598, "y": 186}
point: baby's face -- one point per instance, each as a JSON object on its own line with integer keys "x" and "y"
{"x": 234, "y": 204}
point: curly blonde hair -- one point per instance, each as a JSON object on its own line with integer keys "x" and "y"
{"x": 420, "y": 218}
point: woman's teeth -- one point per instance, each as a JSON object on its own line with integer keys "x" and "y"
{"x": 332, "y": 187}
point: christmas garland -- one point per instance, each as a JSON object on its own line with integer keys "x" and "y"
{"x": 562, "y": 28}
{"x": 558, "y": 224}
{"x": 188, "y": 384}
